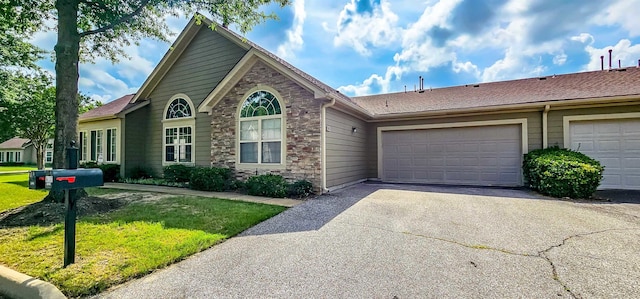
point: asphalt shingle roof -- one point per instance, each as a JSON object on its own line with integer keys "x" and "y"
{"x": 109, "y": 109}
{"x": 14, "y": 143}
{"x": 586, "y": 85}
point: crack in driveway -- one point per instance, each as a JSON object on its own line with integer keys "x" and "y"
{"x": 541, "y": 254}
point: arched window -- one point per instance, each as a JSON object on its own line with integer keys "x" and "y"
{"x": 178, "y": 108}
{"x": 261, "y": 129}
{"x": 178, "y": 131}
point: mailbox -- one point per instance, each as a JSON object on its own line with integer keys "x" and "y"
{"x": 65, "y": 179}
{"x": 37, "y": 179}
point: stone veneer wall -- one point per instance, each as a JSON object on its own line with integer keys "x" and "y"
{"x": 303, "y": 117}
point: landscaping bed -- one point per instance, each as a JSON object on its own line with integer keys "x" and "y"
{"x": 120, "y": 236}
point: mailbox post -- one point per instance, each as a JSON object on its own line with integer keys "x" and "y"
{"x": 67, "y": 180}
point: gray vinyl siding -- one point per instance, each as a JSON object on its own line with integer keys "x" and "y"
{"x": 135, "y": 129}
{"x": 555, "y": 119}
{"x": 347, "y": 158}
{"x": 204, "y": 63}
{"x": 534, "y": 130}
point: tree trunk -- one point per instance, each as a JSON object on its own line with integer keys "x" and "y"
{"x": 67, "y": 58}
{"x": 40, "y": 156}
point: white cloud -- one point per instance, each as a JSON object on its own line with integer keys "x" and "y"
{"x": 624, "y": 13}
{"x": 624, "y": 51}
{"x": 374, "y": 84}
{"x": 360, "y": 31}
{"x": 294, "y": 34}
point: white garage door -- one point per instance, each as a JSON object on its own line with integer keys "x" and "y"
{"x": 486, "y": 155}
{"x": 616, "y": 144}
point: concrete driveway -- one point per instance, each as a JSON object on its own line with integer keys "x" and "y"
{"x": 402, "y": 241}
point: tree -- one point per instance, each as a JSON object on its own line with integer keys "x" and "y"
{"x": 32, "y": 112}
{"x": 86, "y": 103}
{"x": 17, "y": 56}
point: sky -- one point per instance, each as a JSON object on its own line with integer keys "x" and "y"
{"x": 363, "y": 47}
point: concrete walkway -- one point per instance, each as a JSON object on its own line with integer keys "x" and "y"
{"x": 390, "y": 241}
{"x": 285, "y": 202}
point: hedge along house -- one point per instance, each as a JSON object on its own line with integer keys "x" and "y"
{"x": 218, "y": 100}
{"x": 100, "y": 132}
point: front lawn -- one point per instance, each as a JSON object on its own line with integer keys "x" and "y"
{"x": 128, "y": 242}
{"x": 15, "y": 192}
{"x": 16, "y": 168}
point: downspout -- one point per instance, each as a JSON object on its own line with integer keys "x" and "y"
{"x": 545, "y": 129}
{"x": 323, "y": 134}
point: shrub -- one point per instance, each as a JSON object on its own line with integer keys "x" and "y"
{"x": 562, "y": 172}
{"x": 140, "y": 172}
{"x": 210, "y": 178}
{"x": 177, "y": 173}
{"x": 269, "y": 185}
{"x": 236, "y": 185}
{"x": 12, "y": 164}
{"x": 110, "y": 172}
{"x": 300, "y": 189}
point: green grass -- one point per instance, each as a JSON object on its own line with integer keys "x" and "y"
{"x": 130, "y": 242}
{"x": 15, "y": 192}
{"x": 16, "y": 168}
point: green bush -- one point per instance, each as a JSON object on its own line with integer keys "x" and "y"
{"x": 12, "y": 164}
{"x": 562, "y": 173}
{"x": 300, "y": 189}
{"x": 236, "y": 185}
{"x": 140, "y": 172}
{"x": 110, "y": 172}
{"x": 210, "y": 178}
{"x": 269, "y": 185}
{"x": 177, "y": 173}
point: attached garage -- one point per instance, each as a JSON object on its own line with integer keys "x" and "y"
{"x": 614, "y": 140}
{"x": 475, "y": 153}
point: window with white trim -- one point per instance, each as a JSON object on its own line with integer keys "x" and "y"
{"x": 83, "y": 146}
{"x": 178, "y": 131}
{"x": 10, "y": 157}
{"x": 18, "y": 156}
{"x": 96, "y": 146}
{"x": 111, "y": 145}
{"x": 48, "y": 153}
{"x": 1, "y": 157}
{"x": 261, "y": 129}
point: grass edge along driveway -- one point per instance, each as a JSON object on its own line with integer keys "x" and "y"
{"x": 114, "y": 247}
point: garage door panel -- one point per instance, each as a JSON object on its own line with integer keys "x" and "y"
{"x": 488, "y": 155}
{"x": 616, "y": 144}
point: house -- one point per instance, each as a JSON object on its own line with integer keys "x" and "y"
{"x": 21, "y": 150}
{"x": 100, "y": 131}
{"x": 217, "y": 99}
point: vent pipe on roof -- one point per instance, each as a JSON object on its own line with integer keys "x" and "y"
{"x": 422, "y": 83}
{"x": 419, "y": 82}
{"x": 639, "y": 63}
{"x": 619, "y": 63}
{"x": 610, "y": 50}
{"x": 405, "y": 89}
{"x": 602, "y": 62}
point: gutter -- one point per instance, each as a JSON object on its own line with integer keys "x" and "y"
{"x": 545, "y": 129}
{"x": 323, "y": 134}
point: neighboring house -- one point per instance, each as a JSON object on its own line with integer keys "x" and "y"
{"x": 101, "y": 130}
{"x": 17, "y": 150}
{"x": 21, "y": 150}
{"x": 217, "y": 99}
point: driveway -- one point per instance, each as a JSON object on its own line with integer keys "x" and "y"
{"x": 403, "y": 241}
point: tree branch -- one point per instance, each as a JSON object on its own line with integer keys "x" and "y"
{"x": 99, "y": 5}
{"x": 117, "y": 22}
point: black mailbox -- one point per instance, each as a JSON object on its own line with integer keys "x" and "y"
{"x": 37, "y": 179}
{"x": 66, "y": 179}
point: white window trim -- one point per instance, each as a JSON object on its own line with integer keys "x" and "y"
{"x": 566, "y": 122}
{"x": 106, "y": 144}
{"x": 84, "y": 144}
{"x": 177, "y": 123}
{"x": 283, "y": 132}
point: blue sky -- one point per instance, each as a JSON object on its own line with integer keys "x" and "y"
{"x": 376, "y": 46}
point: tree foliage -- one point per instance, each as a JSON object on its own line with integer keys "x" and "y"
{"x": 32, "y": 111}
